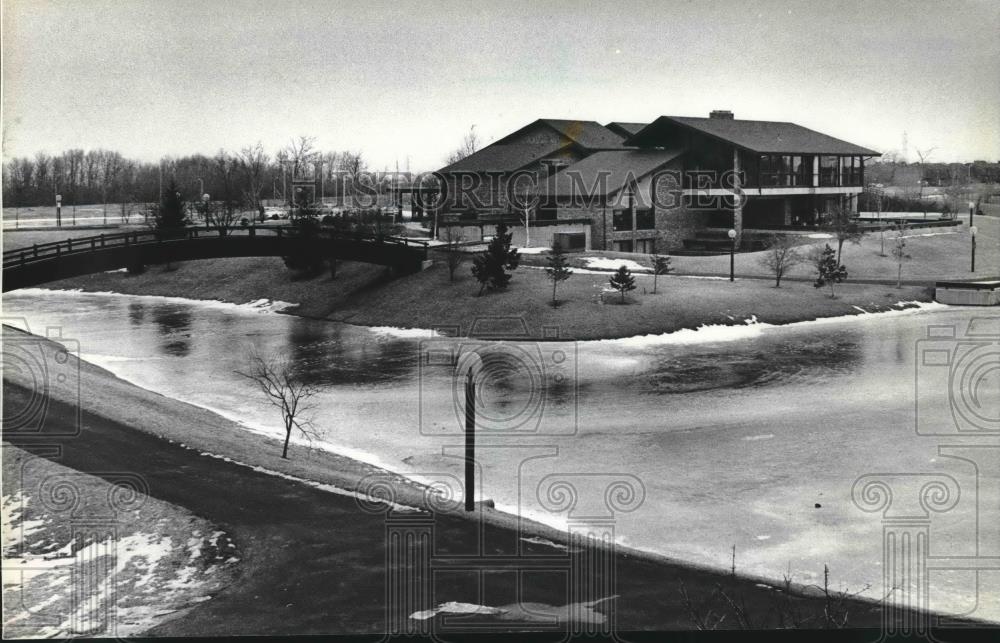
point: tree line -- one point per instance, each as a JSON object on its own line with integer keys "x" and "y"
{"x": 246, "y": 177}
{"x": 891, "y": 171}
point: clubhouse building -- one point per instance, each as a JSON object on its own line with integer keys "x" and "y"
{"x": 677, "y": 184}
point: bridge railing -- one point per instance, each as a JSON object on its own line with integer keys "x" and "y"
{"x": 55, "y": 249}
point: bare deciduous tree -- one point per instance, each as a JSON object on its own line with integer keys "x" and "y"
{"x": 469, "y": 146}
{"x": 275, "y": 377}
{"x": 254, "y": 162}
{"x": 780, "y": 257}
{"x": 839, "y": 221}
{"x": 301, "y": 152}
{"x": 899, "y": 252}
{"x": 453, "y": 251}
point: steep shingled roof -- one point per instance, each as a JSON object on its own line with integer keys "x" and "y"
{"x": 590, "y": 135}
{"x": 616, "y": 166}
{"x": 768, "y": 137}
{"x": 626, "y": 130}
{"x": 502, "y": 158}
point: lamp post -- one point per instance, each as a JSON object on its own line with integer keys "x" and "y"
{"x": 973, "y": 232}
{"x": 204, "y": 212}
{"x": 732, "y": 255}
{"x": 972, "y": 209}
{"x": 58, "y": 210}
{"x": 470, "y": 364}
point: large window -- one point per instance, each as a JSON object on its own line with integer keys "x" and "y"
{"x": 645, "y": 220}
{"x": 850, "y": 170}
{"x": 785, "y": 170}
{"x": 621, "y": 220}
{"x": 829, "y": 169}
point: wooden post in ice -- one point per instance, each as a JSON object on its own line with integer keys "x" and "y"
{"x": 470, "y": 441}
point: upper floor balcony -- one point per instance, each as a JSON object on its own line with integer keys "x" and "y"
{"x": 772, "y": 172}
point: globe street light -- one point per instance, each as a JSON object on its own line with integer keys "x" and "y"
{"x": 732, "y": 255}
{"x": 973, "y": 231}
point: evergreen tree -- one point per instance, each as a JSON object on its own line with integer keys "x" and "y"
{"x": 830, "y": 272}
{"x": 490, "y": 268}
{"x": 623, "y": 281}
{"x": 557, "y": 270}
{"x": 171, "y": 214}
{"x": 661, "y": 266}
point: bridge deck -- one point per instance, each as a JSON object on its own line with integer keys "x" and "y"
{"x": 40, "y": 263}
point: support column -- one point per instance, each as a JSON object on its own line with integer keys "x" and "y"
{"x": 787, "y": 204}
{"x": 906, "y": 501}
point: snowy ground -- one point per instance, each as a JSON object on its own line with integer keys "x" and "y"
{"x": 605, "y": 263}
{"x": 136, "y": 561}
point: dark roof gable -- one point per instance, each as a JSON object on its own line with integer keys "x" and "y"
{"x": 768, "y": 137}
{"x": 608, "y": 169}
{"x": 626, "y": 130}
{"x": 503, "y": 158}
{"x": 589, "y": 135}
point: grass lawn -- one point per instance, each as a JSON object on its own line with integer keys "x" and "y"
{"x": 239, "y": 280}
{"x": 13, "y": 239}
{"x": 937, "y": 254}
{"x": 586, "y": 311}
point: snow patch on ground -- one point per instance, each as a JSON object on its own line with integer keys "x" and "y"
{"x": 454, "y": 607}
{"x": 604, "y": 263}
{"x": 532, "y": 251}
{"x": 928, "y": 234}
{"x": 538, "y": 540}
{"x": 404, "y": 333}
{"x": 148, "y": 575}
{"x": 523, "y": 611}
{"x": 752, "y": 328}
{"x": 258, "y": 306}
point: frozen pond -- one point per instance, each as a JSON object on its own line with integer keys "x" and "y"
{"x": 751, "y": 436}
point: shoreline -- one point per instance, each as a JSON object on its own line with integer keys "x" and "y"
{"x": 335, "y": 472}
{"x": 266, "y": 305}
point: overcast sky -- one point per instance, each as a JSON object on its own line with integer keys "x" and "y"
{"x": 406, "y": 79}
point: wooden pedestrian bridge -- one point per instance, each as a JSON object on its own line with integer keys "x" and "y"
{"x": 45, "y": 262}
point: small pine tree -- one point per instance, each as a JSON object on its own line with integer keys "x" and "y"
{"x": 557, "y": 270}
{"x": 830, "y": 272}
{"x": 490, "y": 268}
{"x": 661, "y": 266}
{"x": 899, "y": 252}
{"x": 623, "y": 281}
{"x": 171, "y": 214}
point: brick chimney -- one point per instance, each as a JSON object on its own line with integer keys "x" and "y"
{"x": 723, "y": 114}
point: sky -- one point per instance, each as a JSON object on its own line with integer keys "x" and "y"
{"x": 404, "y": 81}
